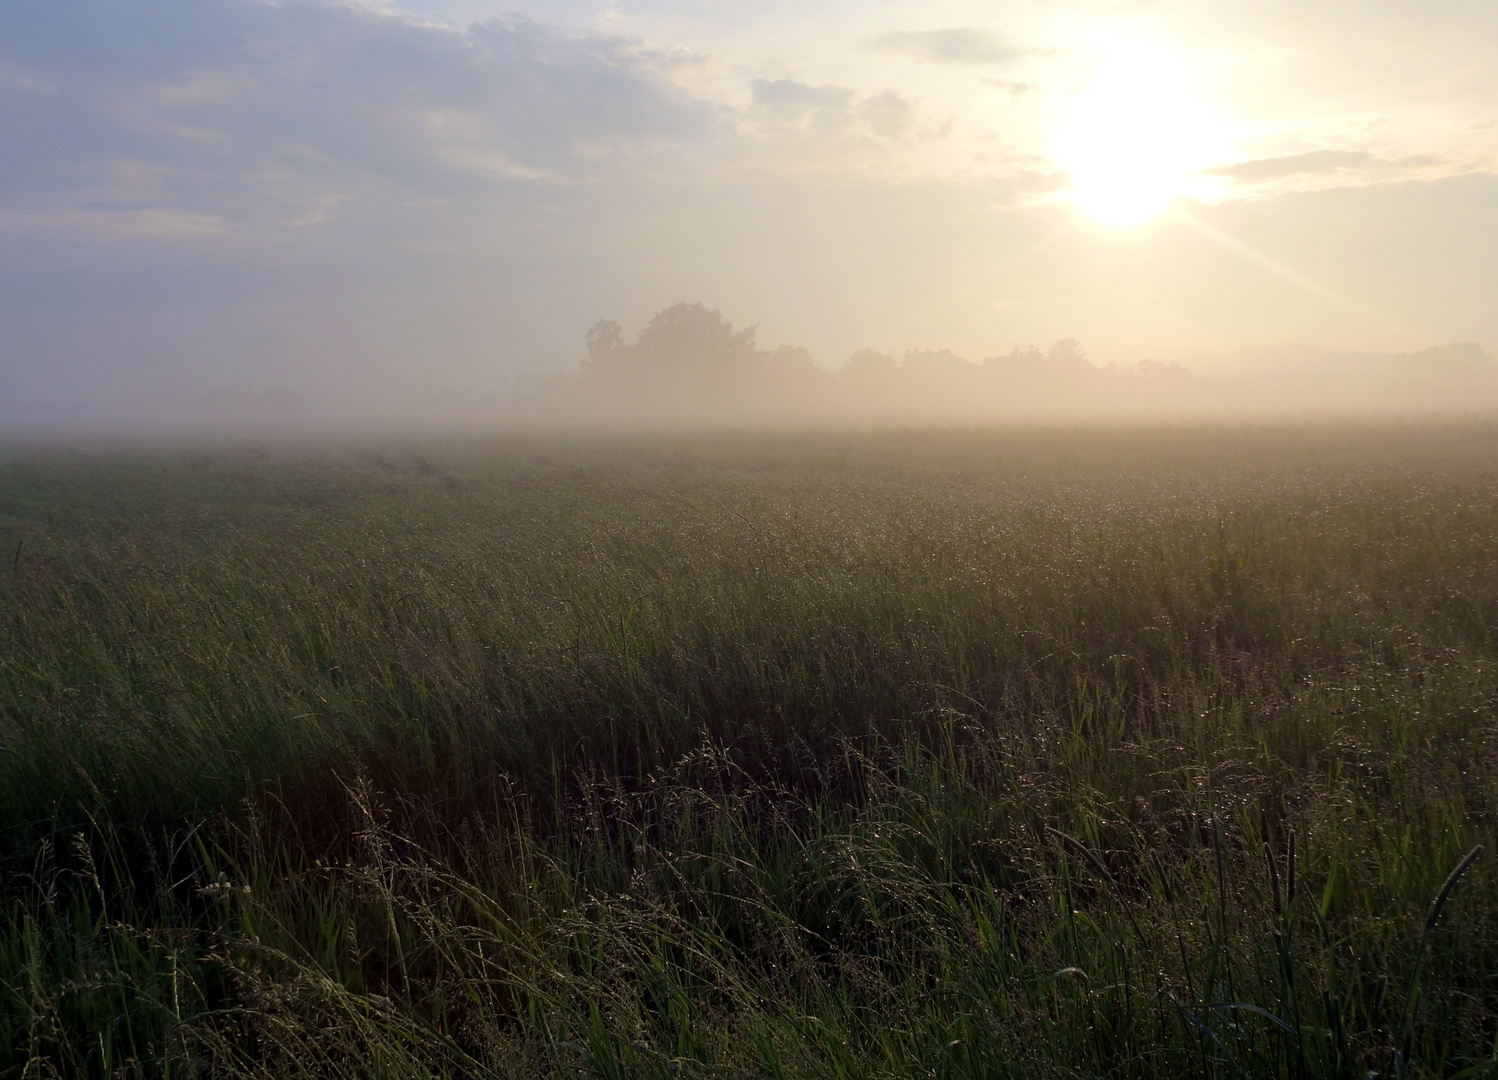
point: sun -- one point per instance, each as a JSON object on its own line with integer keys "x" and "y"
{"x": 1134, "y": 140}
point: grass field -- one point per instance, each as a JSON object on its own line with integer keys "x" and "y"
{"x": 1127, "y": 753}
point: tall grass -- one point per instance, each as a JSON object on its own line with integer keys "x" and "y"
{"x": 1137, "y": 753}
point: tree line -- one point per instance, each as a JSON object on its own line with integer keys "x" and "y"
{"x": 690, "y": 365}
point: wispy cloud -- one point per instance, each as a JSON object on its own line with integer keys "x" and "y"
{"x": 1317, "y": 162}
{"x": 956, "y": 45}
{"x": 1324, "y": 170}
{"x": 788, "y": 103}
{"x": 788, "y": 99}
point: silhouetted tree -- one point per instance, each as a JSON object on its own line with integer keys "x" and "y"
{"x": 684, "y": 343}
{"x": 1068, "y": 355}
{"x": 604, "y": 340}
{"x": 936, "y": 364}
{"x": 868, "y": 364}
{"x": 688, "y": 363}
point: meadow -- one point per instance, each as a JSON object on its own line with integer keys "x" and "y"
{"x": 1146, "y": 752}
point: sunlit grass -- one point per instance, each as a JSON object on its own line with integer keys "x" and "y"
{"x": 960, "y": 754}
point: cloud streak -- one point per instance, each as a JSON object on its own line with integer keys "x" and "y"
{"x": 1318, "y": 162}
{"x": 958, "y": 46}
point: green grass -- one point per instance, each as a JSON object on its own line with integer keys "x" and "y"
{"x": 1135, "y": 753}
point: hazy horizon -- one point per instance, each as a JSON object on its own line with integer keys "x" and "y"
{"x": 234, "y": 212}
{"x": 690, "y": 368}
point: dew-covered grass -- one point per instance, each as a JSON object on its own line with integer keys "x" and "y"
{"x": 1132, "y": 753}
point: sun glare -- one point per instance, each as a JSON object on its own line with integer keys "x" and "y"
{"x": 1133, "y": 139}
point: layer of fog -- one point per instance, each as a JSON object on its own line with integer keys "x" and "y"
{"x": 690, "y": 367}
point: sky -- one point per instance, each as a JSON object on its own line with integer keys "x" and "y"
{"x": 378, "y": 202}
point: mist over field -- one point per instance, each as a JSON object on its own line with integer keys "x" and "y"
{"x": 689, "y": 368}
